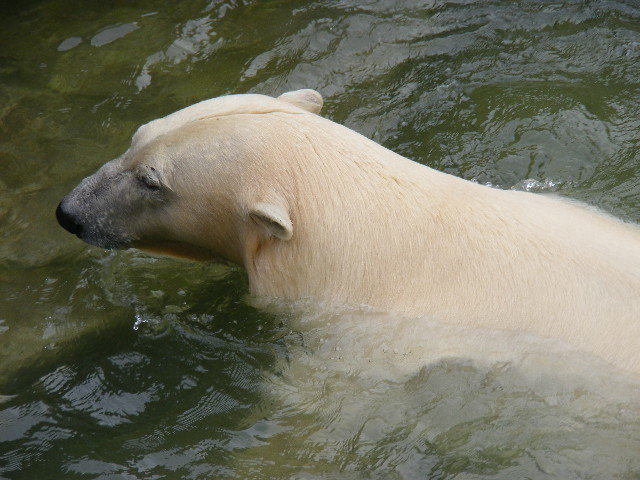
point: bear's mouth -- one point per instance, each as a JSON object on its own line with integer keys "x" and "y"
{"x": 173, "y": 248}
{"x": 106, "y": 242}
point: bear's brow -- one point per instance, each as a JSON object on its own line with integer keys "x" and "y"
{"x": 215, "y": 107}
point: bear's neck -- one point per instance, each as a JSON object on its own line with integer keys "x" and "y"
{"x": 370, "y": 228}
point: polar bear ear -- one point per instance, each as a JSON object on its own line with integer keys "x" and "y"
{"x": 307, "y": 99}
{"x": 273, "y": 219}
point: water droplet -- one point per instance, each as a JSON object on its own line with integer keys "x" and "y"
{"x": 139, "y": 321}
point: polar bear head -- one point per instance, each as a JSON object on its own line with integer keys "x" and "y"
{"x": 193, "y": 182}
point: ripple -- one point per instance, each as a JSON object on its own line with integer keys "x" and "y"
{"x": 113, "y": 33}
{"x": 69, "y": 43}
{"x": 528, "y": 95}
{"x": 108, "y": 406}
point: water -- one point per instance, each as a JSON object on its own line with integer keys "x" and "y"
{"x": 125, "y": 366}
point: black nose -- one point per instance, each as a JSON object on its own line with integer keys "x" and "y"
{"x": 66, "y": 221}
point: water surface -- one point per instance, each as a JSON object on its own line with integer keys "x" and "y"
{"x": 125, "y": 366}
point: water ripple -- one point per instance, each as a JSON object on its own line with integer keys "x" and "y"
{"x": 524, "y": 94}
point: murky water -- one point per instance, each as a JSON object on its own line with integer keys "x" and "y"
{"x": 125, "y": 366}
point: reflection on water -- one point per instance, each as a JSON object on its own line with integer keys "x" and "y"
{"x": 126, "y": 366}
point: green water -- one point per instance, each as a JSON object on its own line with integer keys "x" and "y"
{"x": 126, "y": 366}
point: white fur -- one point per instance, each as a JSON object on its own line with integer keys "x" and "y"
{"x": 365, "y": 226}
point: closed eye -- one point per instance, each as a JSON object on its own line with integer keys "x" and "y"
{"x": 149, "y": 179}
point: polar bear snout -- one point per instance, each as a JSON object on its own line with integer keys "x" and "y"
{"x": 67, "y": 220}
{"x": 97, "y": 209}
{"x": 93, "y": 227}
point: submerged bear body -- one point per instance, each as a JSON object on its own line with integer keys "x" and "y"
{"x": 315, "y": 211}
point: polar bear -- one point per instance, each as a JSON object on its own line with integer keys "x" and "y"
{"x": 315, "y": 211}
